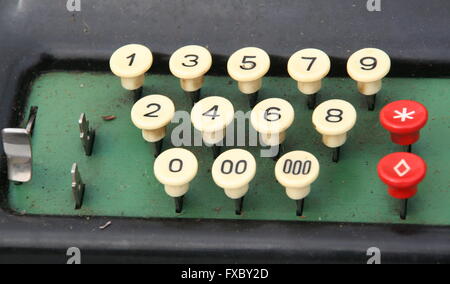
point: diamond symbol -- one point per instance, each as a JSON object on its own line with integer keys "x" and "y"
{"x": 404, "y": 114}
{"x": 402, "y": 165}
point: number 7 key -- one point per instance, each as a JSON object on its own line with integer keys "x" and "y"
{"x": 308, "y": 67}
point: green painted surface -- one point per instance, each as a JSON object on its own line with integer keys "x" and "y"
{"x": 119, "y": 175}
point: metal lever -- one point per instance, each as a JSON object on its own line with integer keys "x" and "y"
{"x": 18, "y": 150}
{"x": 77, "y": 186}
{"x": 87, "y": 135}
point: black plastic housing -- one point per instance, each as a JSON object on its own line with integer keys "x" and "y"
{"x": 39, "y": 36}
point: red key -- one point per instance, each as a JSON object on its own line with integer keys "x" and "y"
{"x": 402, "y": 172}
{"x": 404, "y": 119}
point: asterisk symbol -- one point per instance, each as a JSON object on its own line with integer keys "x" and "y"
{"x": 404, "y": 114}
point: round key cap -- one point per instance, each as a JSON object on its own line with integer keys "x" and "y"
{"x": 190, "y": 64}
{"x": 248, "y": 66}
{"x": 368, "y": 67}
{"x": 271, "y": 118}
{"x": 175, "y": 169}
{"x": 308, "y": 67}
{"x": 233, "y": 170}
{"x": 402, "y": 172}
{"x": 296, "y": 171}
{"x": 130, "y": 63}
{"x": 404, "y": 119}
{"x": 211, "y": 116}
{"x": 152, "y": 114}
{"x": 333, "y": 119}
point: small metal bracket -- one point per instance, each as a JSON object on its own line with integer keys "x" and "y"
{"x": 18, "y": 150}
{"x": 31, "y": 120}
{"x": 17, "y": 147}
{"x": 87, "y": 135}
{"x": 77, "y": 186}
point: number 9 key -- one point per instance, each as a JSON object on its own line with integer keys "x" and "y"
{"x": 368, "y": 67}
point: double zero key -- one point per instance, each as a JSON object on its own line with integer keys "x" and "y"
{"x": 233, "y": 170}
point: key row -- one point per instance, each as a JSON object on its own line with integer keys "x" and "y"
{"x": 248, "y": 66}
{"x": 296, "y": 171}
{"x": 271, "y": 118}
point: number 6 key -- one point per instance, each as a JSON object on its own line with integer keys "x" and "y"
{"x": 152, "y": 114}
{"x": 333, "y": 119}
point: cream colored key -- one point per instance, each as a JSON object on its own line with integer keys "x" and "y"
{"x": 211, "y": 116}
{"x": 308, "y": 67}
{"x": 130, "y": 63}
{"x": 233, "y": 170}
{"x": 152, "y": 114}
{"x": 368, "y": 67}
{"x": 333, "y": 119}
{"x": 296, "y": 171}
{"x": 271, "y": 118}
{"x": 248, "y": 66}
{"x": 175, "y": 169}
{"x": 190, "y": 64}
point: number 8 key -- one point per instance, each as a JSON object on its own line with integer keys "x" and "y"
{"x": 333, "y": 119}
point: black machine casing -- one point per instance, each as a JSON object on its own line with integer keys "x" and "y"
{"x": 39, "y": 36}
